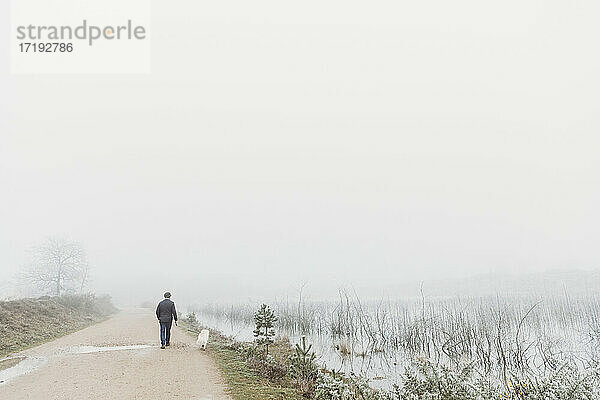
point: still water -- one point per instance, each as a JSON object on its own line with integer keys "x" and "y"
{"x": 382, "y": 369}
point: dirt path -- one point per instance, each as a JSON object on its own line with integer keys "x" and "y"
{"x": 68, "y": 369}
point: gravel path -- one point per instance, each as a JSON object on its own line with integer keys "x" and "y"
{"x": 89, "y": 365}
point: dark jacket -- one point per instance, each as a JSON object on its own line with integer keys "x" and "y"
{"x": 165, "y": 312}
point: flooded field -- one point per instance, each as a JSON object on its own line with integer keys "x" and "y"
{"x": 379, "y": 367}
{"x": 379, "y": 340}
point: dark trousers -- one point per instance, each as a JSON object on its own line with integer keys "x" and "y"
{"x": 165, "y": 332}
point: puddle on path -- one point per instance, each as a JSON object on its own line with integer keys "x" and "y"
{"x": 13, "y": 367}
{"x": 23, "y": 366}
{"x": 102, "y": 349}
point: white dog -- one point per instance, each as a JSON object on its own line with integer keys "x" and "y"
{"x": 202, "y": 339}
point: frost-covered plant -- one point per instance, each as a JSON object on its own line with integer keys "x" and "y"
{"x": 335, "y": 386}
{"x": 429, "y": 382}
{"x": 332, "y": 387}
{"x": 565, "y": 383}
{"x": 246, "y": 350}
{"x": 268, "y": 367}
{"x": 363, "y": 391}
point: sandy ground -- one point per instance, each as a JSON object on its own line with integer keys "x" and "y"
{"x": 178, "y": 372}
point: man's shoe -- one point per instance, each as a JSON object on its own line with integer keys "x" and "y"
{"x": 162, "y": 347}
{"x": 168, "y": 344}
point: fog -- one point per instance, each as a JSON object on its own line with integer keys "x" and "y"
{"x": 322, "y": 143}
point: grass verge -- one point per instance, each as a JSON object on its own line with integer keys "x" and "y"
{"x": 243, "y": 382}
{"x": 30, "y": 322}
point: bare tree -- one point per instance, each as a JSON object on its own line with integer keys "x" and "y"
{"x": 57, "y": 266}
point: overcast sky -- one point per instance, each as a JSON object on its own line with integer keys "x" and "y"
{"x": 328, "y": 142}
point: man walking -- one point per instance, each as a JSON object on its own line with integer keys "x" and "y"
{"x": 165, "y": 312}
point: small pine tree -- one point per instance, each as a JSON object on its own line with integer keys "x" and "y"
{"x": 265, "y": 320}
{"x": 303, "y": 369}
{"x": 303, "y": 362}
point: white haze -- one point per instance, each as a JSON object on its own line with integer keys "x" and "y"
{"x": 322, "y": 142}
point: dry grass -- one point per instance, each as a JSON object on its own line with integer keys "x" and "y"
{"x": 29, "y": 322}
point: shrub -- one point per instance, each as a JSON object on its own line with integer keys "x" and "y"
{"x": 429, "y": 382}
{"x": 332, "y": 387}
{"x": 335, "y": 386}
{"x": 192, "y": 319}
{"x": 268, "y": 367}
{"x": 566, "y": 382}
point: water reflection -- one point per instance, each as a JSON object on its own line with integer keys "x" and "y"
{"x": 379, "y": 367}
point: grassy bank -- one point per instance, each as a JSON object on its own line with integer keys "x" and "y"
{"x": 244, "y": 382}
{"x": 28, "y": 322}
